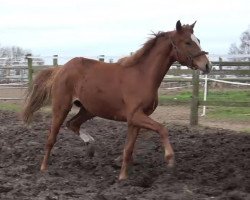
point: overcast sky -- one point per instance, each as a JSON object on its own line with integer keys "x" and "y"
{"x": 115, "y": 28}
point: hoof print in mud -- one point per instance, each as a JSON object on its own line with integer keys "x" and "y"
{"x": 90, "y": 150}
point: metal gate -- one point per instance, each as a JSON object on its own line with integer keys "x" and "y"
{"x": 13, "y": 78}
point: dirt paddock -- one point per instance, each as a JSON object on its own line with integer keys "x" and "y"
{"x": 211, "y": 163}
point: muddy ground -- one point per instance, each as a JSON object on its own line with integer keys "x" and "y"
{"x": 211, "y": 163}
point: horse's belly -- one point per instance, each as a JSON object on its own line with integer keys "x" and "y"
{"x": 105, "y": 106}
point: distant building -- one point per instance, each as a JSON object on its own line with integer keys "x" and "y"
{"x": 16, "y": 69}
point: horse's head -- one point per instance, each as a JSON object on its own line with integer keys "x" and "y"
{"x": 187, "y": 49}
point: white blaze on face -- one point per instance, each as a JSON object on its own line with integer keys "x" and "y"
{"x": 195, "y": 40}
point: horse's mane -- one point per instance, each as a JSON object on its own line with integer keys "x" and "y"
{"x": 139, "y": 54}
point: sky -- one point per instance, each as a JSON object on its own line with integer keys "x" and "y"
{"x": 89, "y": 28}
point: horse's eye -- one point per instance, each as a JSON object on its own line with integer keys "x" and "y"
{"x": 188, "y": 43}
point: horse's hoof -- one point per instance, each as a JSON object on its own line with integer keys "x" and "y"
{"x": 87, "y": 138}
{"x": 170, "y": 160}
{"x": 122, "y": 177}
{"x": 171, "y": 163}
{"x": 44, "y": 169}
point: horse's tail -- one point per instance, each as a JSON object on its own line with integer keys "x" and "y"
{"x": 39, "y": 93}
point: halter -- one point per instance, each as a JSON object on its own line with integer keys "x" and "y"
{"x": 190, "y": 57}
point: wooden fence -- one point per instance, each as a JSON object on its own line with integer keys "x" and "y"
{"x": 195, "y": 102}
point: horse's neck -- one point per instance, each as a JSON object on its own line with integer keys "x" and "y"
{"x": 156, "y": 65}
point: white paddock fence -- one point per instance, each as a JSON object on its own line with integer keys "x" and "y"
{"x": 206, "y": 79}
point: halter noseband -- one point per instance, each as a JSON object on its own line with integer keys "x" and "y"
{"x": 190, "y": 57}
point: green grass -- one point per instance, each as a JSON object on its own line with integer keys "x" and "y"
{"x": 230, "y": 113}
{"x": 231, "y": 95}
{"x": 10, "y": 107}
{"x": 183, "y": 96}
{"x": 246, "y": 130}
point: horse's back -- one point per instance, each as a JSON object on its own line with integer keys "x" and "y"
{"x": 80, "y": 62}
{"x": 97, "y": 85}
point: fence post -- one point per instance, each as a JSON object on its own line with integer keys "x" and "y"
{"x": 195, "y": 99}
{"x": 30, "y": 69}
{"x": 221, "y": 67}
{"x": 220, "y": 60}
{"x": 55, "y": 60}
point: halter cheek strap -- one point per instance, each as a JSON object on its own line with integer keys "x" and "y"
{"x": 190, "y": 57}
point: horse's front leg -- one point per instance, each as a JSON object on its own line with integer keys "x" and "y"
{"x": 141, "y": 120}
{"x": 128, "y": 150}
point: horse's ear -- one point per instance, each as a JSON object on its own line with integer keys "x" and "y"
{"x": 192, "y": 25}
{"x": 178, "y": 26}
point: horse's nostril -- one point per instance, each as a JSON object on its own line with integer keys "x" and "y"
{"x": 207, "y": 67}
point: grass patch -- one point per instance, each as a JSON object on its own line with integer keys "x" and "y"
{"x": 10, "y": 106}
{"x": 227, "y": 113}
{"x": 231, "y": 96}
{"x": 246, "y": 130}
{"x": 182, "y": 96}
{"x": 15, "y": 107}
{"x": 231, "y": 113}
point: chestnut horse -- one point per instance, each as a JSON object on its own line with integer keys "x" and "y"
{"x": 123, "y": 91}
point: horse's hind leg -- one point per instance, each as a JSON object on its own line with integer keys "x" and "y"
{"x": 128, "y": 150}
{"x": 75, "y": 123}
{"x": 60, "y": 111}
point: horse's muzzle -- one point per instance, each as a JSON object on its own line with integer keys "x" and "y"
{"x": 208, "y": 68}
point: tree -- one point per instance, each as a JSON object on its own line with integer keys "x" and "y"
{"x": 233, "y": 50}
{"x": 245, "y": 42}
{"x": 15, "y": 55}
{"x": 12, "y": 52}
{"x": 243, "y": 48}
